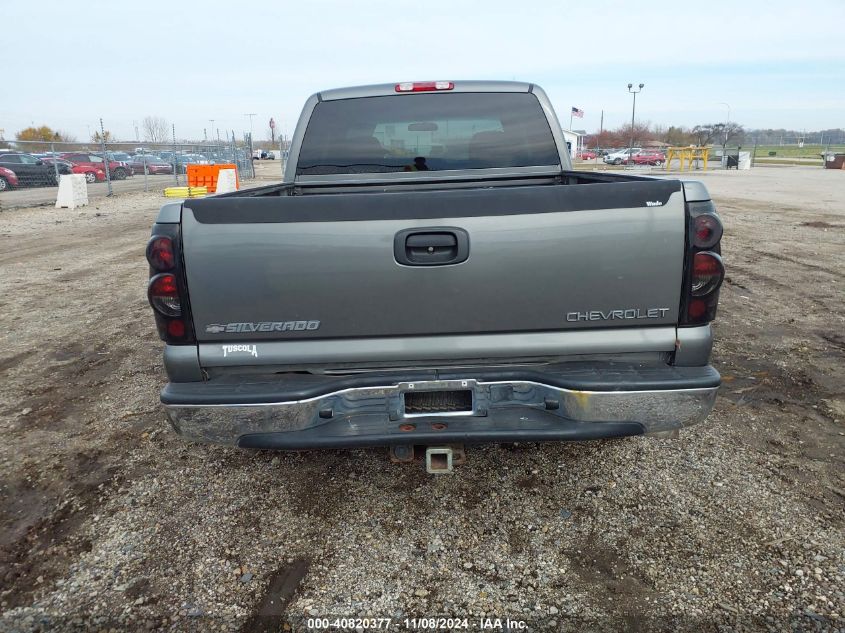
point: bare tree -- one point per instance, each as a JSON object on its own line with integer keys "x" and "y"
{"x": 704, "y": 133}
{"x": 156, "y": 129}
{"x": 726, "y": 132}
{"x": 720, "y": 133}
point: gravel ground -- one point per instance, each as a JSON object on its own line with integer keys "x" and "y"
{"x": 110, "y": 522}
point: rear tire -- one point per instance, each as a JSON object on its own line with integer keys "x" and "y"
{"x": 90, "y": 177}
{"x": 658, "y": 163}
{"x": 4, "y": 184}
{"x": 617, "y": 161}
{"x": 119, "y": 174}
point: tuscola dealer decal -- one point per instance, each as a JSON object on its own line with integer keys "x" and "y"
{"x": 231, "y": 349}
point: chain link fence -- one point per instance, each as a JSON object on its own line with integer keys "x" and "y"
{"x": 148, "y": 166}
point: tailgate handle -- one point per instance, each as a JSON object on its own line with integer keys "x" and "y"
{"x": 437, "y": 246}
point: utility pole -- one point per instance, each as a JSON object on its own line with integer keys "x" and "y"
{"x": 250, "y": 115}
{"x": 727, "y": 124}
{"x": 601, "y": 131}
{"x": 212, "y": 128}
{"x": 633, "y": 112}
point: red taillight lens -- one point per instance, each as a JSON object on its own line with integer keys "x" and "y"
{"x": 164, "y": 295}
{"x": 176, "y": 329}
{"x": 424, "y": 86}
{"x": 708, "y": 231}
{"x": 160, "y": 253}
{"x": 707, "y": 273}
{"x": 697, "y": 309}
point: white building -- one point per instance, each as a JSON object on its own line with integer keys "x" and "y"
{"x": 573, "y": 140}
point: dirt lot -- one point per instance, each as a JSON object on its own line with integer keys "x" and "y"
{"x": 109, "y": 521}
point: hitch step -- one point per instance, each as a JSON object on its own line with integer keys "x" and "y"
{"x": 407, "y": 453}
{"x": 439, "y": 460}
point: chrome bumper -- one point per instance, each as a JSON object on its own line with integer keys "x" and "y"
{"x": 509, "y": 408}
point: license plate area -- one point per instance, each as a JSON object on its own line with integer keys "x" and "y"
{"x": 427, "y": 402}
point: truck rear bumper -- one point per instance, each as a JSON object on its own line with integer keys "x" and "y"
{"x": 493, "y": 405}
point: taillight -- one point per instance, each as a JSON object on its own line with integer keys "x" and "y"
{"x": 176, "y": 329}
{"x": 160, "y": 253}
{"x": 707, "y": 230}
{"x": 704, "y": 270}
{"x": 167, "y": 291}
{"x": 424, "y": 86}
{"x": 707, "y": 273}
{"x": 163, "y": 293}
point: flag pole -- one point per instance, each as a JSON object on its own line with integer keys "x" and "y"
{"x": 571, "y": 112}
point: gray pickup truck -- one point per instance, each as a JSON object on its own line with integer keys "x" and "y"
{"x": 432, "y": 272}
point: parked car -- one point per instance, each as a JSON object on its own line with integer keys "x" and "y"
{"x": 92, "y": 174}
{"x": 270, "y": 155}
{"x": 8, "y": 179}
{"x": 62, "y": 166}
{"x": 586, "y": 155}
{"x": 119, "y": 170}
{"x": 388, "y": 296}
{"x": 196, "y": 159}
{"x": 28, "y": 169}
{"x": 649, "y": 157}
{"x": 121, "y": 157}
{"x": 621, "y": 156}
{"x": 153, "y": 164}
{"x": 183, "y": 160}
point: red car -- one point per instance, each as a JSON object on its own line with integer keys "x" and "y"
{"x": 153, "y": 164}
{"x": 92, "y": 174}
{"x": 8, "y": 179}
{"x": 119, "y": 170}
{"x": 649, "y": 157}
{"x": 586, "y": 155}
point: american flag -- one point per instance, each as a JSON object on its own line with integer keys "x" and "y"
{"x": 577, "y": 112}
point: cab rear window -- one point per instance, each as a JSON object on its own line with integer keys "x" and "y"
{"x": 426, "y": 132}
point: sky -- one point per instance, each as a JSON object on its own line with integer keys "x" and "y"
{"x": 773, "y": 63}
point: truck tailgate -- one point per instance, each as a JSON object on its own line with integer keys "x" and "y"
{"x": 538, "y": 258}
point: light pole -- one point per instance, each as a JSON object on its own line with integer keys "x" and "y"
{"x": 212, "y": 127}
{"x": 250, "y": 115}
{"x": 633, "y": 112}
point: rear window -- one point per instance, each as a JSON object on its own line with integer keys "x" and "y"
{"x": 426, "y": 132}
